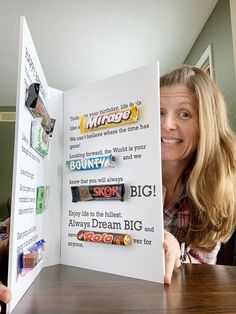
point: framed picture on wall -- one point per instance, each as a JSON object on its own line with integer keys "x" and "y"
{"x": 206, "y": 61}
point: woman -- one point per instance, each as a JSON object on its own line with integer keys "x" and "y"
{"x": 198, "y": 166}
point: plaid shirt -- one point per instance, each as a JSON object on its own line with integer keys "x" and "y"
{"x": 176, "y": 221}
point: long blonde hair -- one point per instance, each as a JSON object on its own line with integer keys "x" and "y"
{"x": 211, "y": 183}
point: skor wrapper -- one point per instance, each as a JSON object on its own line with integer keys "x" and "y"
{"x": 109, "y": 120}
{"x": 107, "y": 192}
{"x": 105, "y": 237}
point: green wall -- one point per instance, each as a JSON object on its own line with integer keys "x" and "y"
{"x": 7, "y": 130}
{"x": 218, "y": 32}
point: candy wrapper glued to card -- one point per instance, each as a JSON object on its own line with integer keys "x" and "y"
{"x": 35, "y": 105}
{"x": 31, "y": 256}
{"x": 104, "y": 237}
{"x": 42, "y": 198}
{"x": 109, "y": 120}
{"x": 106, "y": 161}
{"x": 106, "y": 192}
{"x": 39, "y": 140}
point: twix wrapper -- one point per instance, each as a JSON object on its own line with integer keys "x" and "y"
{"x": 105, "y": 237}
{"x": 109, "y": 120}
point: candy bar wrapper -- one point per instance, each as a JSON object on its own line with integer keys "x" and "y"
{"x": 109, "y": 120}
{"x": 105, "y": 237}
{"x": 42, "y": 198}
{"x": 30, "y": 260}
{"x": 106, "y": 192}
{"x": 39, "y": 139}
{"x": 34, "y": 102}
{"x": 48, "y": 124}
{"x": 106, "y": 161}
{"x": 31, "y": 256}
{"x": 36, "y": 107}
{"x": 3, "y": 236}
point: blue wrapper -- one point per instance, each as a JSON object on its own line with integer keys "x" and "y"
{"x": 3, "y": 236}
{"x": 36, "y": 250}
{"x": 98, "y": 162}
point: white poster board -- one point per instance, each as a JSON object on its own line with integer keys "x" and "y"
{"x": 32, "y": 171}
{"x": 135, "y": 146}
{"x": 137, "y": 165}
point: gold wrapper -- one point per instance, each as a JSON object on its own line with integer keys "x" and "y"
{"x": 109, "y": 120}
{"x": 127, "y": 240}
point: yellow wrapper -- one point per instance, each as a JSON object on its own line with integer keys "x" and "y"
{"x": 109, "y": 120}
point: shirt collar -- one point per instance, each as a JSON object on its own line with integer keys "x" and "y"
{"x": 172, "y": 209}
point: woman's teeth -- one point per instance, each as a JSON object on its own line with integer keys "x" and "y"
{"x": 171, "y": 141}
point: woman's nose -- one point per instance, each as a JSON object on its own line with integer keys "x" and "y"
{"x": 168, "y": 122}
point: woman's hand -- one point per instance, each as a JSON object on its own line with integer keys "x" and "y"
{"x": 5, "y": 294}
{"x": 172, "y": 256}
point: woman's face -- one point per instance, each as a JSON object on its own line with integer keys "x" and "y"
{"x": 179, "y": 123}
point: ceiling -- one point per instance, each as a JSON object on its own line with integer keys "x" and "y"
{"x": 82, "y": 41}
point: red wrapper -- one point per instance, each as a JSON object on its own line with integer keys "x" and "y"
{"x": 104, "y": 237}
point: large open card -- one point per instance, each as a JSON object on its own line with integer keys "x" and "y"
{"x": 90, "y": 195}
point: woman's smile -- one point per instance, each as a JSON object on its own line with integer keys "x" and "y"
{"x": 171, "y": 141}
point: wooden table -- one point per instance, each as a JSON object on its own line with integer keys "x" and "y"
{"x": 68, "y": 290}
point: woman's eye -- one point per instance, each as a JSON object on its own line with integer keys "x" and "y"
{"x": 161, "y": 113}
{"x": 185, "y": 114}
